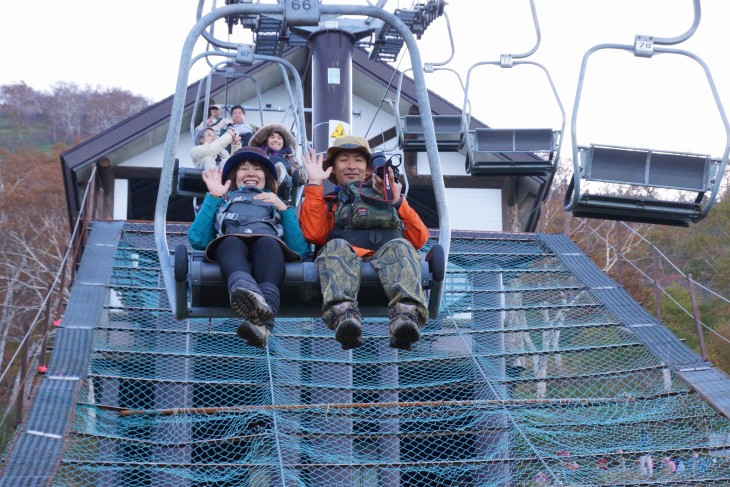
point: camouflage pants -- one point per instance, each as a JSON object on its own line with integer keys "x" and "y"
{"x": 397, "y": 264}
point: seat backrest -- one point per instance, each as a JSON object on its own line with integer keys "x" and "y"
{"x": 514, "y": 140}
{"x": 443, "y": 124}
{"x": 189, "y": 182}
{"x": 448, "y": 130}
{"x": 645, "y": 167}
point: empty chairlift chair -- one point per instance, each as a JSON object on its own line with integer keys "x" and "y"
{"x": 449, "y": 134}
{"x": 512, "y": 151}
{"x": 686, "y": 184}
{"x": 642, "y": 167}
{"x": 412, "y": 135}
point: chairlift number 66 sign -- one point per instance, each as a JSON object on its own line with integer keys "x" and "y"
{"x": 302, "y": 12}
{"x": 299, "y": 4}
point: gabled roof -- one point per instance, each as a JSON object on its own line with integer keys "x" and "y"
{"x": 148, "y": 128}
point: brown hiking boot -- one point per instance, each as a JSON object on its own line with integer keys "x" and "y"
{"x": 347, "y": 323}
{"x": 404, "y": 329}
{"x": 251, "y": 305}
{"x": 255, "y": 335}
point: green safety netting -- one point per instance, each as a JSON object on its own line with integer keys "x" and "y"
{"x": 526, "y": 378}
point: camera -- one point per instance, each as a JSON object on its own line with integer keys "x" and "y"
{"x": 230, "y": 126}
{"x": 380, "y": 165}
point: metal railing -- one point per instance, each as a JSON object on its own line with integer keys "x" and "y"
{"x": 20, "y": 373}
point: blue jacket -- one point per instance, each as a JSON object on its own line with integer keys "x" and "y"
{"x": 202, "y": 231}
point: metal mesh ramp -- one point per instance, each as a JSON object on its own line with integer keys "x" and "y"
{"x": 528, "y": 378}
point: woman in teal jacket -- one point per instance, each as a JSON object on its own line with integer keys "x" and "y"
{"x": 251, "y": 233}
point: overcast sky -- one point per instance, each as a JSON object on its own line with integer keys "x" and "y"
{"x": 662, "y": 103}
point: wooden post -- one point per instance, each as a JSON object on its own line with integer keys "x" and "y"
{"x": 47, "y": 326}
{"x": 61, "y": 287}
{"x": 696, "y": 313}
{"x": 105, "y": 194}
{"x": 655, "y": 278}
{"x": 566, "y": 223}
{"x": 21, "y": 385}
{"x": 619, "y": 255}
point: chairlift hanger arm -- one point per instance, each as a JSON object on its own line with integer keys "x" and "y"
{"x": 686, "y": 35}
{"x": 466, "y": 106}
{"x": 507, "y": 58}
{"x": 429, "y": 67}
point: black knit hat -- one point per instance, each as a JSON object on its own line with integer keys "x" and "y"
{"x": 248, "y": 154}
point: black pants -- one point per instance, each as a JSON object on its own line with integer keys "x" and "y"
{"x": 261, "y": 257}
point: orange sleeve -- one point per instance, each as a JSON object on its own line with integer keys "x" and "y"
{"x": 314, "y": 217}
{"x": 413, "y": 227}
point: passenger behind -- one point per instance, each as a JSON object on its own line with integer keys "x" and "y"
{"x": 250, "y": 232}
{"x": 244, "y": 129}
{"x": 215, "y": 120}
{"x": 277, "y": 141}
{"x": 356, "y": 223}
{"x": 210, "y": 150}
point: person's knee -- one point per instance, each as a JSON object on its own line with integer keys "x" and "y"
{"x": 230, "y": 245}
{"x": 266, "y": 242}
{"x": 399, "y": 247}
{"x": 336, "y": 246}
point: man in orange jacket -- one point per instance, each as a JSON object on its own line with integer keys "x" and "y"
{"x": 349, "y": 227}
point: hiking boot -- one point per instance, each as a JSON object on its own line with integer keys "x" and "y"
{"x": 255, "y": 335}
{"x": 347, "y": 324}
{"x": 404, "y": 329}
{"x": 246, "y": 299}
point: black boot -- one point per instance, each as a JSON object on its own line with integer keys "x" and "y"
{"x": 247, "y": 300}
{"x": 258, "y": 335}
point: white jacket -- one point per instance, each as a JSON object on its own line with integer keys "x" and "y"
{"x": 205, "y": 155}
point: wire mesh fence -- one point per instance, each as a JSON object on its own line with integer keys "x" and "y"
{"x": 693, "y": 311}
{"x": 526, "y": 379}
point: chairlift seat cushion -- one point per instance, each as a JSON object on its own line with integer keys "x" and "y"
{"x": 637, "y": 209}
{"x": 514, "y": 140}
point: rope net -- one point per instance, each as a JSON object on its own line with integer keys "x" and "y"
{"x": 526, "y": 379}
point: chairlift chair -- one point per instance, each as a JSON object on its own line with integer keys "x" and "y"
{"x": 512, "y": 151}
{"x": 670, "y": 174}
{"x": 195, "y": 287}
{"x": 202, "y": 291}
{"x": 448, "y": 128}
{"x": 412, "y": 138}
{"x": 412, "y": 135}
